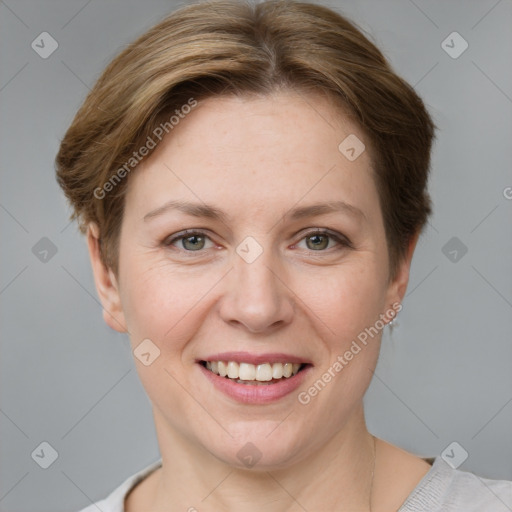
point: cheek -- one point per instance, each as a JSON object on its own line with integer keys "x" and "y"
{"x": 346, "y": 303}
{"x": 161, "y": 303}
{"x": 163, "y": 306}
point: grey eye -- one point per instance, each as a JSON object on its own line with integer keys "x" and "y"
{"x": 193, "y": 242}
{"x": 317, "y": 242}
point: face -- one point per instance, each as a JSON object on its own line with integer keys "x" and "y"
{"x": 249, "y": 238}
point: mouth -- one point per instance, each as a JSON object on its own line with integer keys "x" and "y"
{"x": 254, "y": 379}
{"x": 254, "y": 374}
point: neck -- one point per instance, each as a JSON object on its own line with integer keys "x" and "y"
{"x": 338, "y": 475}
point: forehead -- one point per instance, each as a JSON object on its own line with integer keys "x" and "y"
{"x": 258, "y": 152}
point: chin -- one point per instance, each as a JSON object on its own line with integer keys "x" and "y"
{"x": 261, "y": 447}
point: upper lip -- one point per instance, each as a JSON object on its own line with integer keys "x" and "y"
{"x": 246, "y": 357}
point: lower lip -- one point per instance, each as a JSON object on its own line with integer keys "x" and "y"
{"x": 254, "y": 393}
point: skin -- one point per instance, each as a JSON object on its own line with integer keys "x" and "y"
{"x": 257, "y": 158}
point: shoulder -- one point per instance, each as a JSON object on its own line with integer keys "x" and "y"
{"x": 114, "y": 502}
{"x": 451, "y": 490}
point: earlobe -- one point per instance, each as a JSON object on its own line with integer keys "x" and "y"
{"x": 106, "y": 283}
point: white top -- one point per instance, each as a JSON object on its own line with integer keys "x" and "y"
{"x": 442, "y": 489}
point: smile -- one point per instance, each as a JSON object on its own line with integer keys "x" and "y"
{"x": 255, "y": 379}
{"x": 247, "y": 373}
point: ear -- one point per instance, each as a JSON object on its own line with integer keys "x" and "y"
{"x": 398, "y": 286}
{"x": 106, "y": 283}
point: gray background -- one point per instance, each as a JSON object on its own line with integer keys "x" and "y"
{"x": 445, "y": 371}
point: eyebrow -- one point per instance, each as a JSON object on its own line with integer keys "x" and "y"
{"x": 210, "y": 212}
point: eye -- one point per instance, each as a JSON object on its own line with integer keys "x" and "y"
{"x": 190, "y": 241}
{"x": 320, "y": 240}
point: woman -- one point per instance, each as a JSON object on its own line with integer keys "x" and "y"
{"x": 252, "y": 182}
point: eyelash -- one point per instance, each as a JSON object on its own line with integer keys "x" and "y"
{"x": 342, "y": 241}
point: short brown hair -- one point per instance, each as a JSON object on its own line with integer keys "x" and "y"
{"x": 238, "y": 47}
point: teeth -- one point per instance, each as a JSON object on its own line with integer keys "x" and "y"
{"x": 249, "y": 372}
{"x": 263, "y": 372}
{"x": 222, "y": 368}
{"x": 233, "y": 370}
{"x": 277, "y": 370}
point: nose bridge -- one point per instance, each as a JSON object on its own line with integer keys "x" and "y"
{"x": 258, "y": 298}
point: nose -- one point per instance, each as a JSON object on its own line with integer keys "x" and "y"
{"x": 257, "y": 296}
